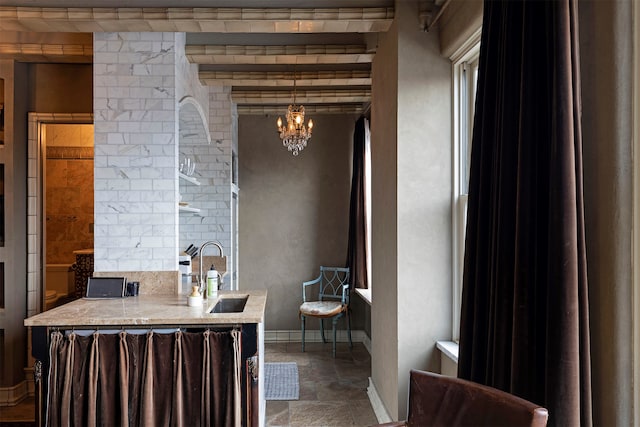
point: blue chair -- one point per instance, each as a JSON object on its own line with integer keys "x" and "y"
{"x": 332, "y": 302}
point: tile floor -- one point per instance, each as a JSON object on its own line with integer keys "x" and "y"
{"x": 333, "y": 392}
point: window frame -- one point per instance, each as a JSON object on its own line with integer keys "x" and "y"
{"x": 464, "y": 64}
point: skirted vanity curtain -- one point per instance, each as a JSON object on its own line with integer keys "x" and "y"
{"x": 524, "y": 324}
{"x": 151, "y": 379}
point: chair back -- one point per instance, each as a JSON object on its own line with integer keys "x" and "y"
{"x": 332, "y": 282}
{"x": 438, "y": 400}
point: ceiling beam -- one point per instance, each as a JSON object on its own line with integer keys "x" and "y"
{"x": 191, "y": 19}
{"x": 48, "y": 52}
{"x": 271, "y": 55}
{"x": 286, "y": 79}
{"x": 309, "y": 109}
{"x": 285, "y": 97}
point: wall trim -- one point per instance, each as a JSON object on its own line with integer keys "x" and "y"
{"x": 313, "y": 335}
{"x": 35, "y": 210}
{"x": 11, "y": 396}
{"x": 376, "y": 403}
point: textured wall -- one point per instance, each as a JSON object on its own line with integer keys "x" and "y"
{"x": 293, "y": 210}
{"x": 60, "y": 88}
{"x": 411, "y": 153}
{"x": 384, "y": 217}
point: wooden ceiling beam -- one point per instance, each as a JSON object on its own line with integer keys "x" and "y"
{"x": 285, "y": 79}
{"x": 193, "y": 19}
{"x": 285, "y": 97}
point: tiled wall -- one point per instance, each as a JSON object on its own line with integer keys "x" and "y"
{"x": 141, "y": 82}
{"x": 69, "y": 191}
{"x": 136, "y": 152}
{"x": 213, "y": 170}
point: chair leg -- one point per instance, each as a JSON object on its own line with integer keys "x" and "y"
{"x": 302, "y": 319}
{"x": 349, "y": 329}
{"x": 322, "y": 330}
{"x": 335, "y": 320}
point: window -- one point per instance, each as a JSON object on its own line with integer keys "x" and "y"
{"x": 465, "y": 77}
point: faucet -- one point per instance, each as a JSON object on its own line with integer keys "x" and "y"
{"x": 203, "y": 281}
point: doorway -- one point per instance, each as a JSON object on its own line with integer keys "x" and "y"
{"x": 61, "y": 203}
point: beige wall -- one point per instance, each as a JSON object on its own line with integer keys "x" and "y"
{"x": 384, "y": 222}
{"x": 61, "y": 88}
{"x": 411, "y": 156}
{"x": 293, "y": 211}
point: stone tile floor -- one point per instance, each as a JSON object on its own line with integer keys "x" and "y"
{"x": 333, "y": 392}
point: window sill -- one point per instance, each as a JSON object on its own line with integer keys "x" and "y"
{"x": 365, "y": 294}
{"x": 449, "y": 349}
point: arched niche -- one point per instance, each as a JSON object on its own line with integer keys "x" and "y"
{"x": 193, "y": 128}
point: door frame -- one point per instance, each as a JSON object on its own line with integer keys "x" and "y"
{"x": 36, "y": 232}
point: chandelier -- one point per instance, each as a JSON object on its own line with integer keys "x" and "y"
{"x": 295, "y": 135}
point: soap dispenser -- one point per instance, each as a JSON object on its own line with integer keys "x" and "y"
{"x": 195, "y": 299}
{"x": 212, "y": 283}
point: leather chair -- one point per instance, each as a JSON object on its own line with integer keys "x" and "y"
{"x": 438, "y": 400}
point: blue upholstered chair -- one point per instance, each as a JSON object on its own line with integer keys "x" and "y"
{"x": 332, "y": 300}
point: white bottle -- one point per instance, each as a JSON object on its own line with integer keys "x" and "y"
{"x": 212, "y": 283}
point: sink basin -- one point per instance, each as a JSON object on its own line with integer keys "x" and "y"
{"x": 229, "y": 305}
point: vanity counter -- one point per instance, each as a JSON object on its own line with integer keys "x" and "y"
{"x": 145, "y": 310}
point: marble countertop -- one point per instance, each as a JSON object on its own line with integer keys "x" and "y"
{"x": 150, "y": 310}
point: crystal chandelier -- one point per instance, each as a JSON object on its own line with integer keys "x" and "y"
{"x": 295, "y": 135}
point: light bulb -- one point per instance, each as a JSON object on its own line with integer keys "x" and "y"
{"x": 279, "y": 122}
{"x": 310, "y": 125}
{"x": 298, "y": 119}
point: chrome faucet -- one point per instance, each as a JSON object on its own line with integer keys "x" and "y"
{"x": 203, "y": 281}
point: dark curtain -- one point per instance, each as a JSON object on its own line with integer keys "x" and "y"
{"x": 357, "y": 246}
{"x": 524, "y": 324}
{"x": 181, "y": 378}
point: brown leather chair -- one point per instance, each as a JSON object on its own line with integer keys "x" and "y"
{"x": 438, "y": 400}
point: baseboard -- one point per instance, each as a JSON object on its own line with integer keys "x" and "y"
{"x": 376, "y": 403}
{"x": 31, "y": 384}
{"x": 314, "y": 336}
{"x": 11, "y": 396}
{"x": 366, "y": 341}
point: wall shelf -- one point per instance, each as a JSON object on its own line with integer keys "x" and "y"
{"x": 190, "y": 179}
{"x": 188, "y": 209}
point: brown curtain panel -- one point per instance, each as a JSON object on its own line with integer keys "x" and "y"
{"x": 524, "y": 324}
{"x": 181, "y": 378}
{"x": 357, "y": 246}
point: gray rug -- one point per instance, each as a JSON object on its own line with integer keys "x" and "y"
{"x": 281, "y": 381}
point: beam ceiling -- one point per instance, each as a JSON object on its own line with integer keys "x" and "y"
{"x": 257, "y": 51}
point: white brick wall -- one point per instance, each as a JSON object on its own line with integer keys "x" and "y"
{"x": 136, "y": 152}
{"x": 213, "y": 161}
{"x": 139, "y": 81}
